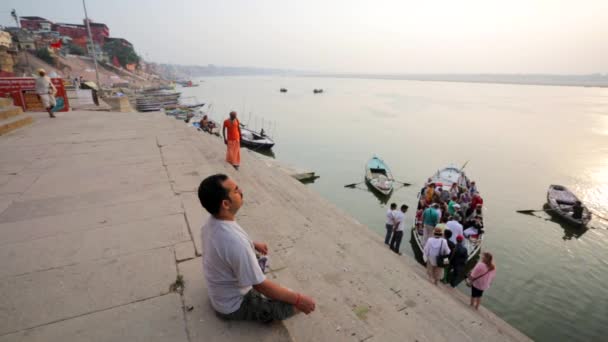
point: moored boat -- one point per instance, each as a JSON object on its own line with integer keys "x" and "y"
{"x": 561, "y": 203}
{"x": 445, "y": 178}
{"x": 379, "y": 176}
{"x": 256, "y": 140}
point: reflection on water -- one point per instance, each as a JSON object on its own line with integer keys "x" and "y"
{"x": 518, "y": 138}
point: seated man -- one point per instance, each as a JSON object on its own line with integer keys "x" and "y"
{"x": 577, "y": 210}
{"x": 238, "y": 289}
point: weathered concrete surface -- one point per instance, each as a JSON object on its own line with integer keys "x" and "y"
{"x": 204, "y": 325}
{"x": 99, "y": 214}
{"x": 158, "y": 319}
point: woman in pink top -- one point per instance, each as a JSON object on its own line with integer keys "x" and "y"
{"x": 481, "y": 277}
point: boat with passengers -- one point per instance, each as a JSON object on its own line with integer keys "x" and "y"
{"x": 449, "y": 182}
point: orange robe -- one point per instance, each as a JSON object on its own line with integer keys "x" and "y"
{"x": 233, "y": 151}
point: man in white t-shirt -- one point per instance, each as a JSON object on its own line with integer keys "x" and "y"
{"x": 455, "y": 227}
{"x": 46, "y": 91}
{"x": 390, "y": 222}
{"x": 398, "y": 229}
{"x": 237, "y": 287}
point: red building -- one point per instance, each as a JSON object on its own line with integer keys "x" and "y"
{"x": 99, "y": 31}
{"x": 34, "y": 23}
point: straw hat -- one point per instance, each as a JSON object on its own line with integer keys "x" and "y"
{"x": 41, "y": 71}
{"x": 437, "y": 232}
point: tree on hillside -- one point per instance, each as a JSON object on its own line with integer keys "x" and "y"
{"x": 124, "y": 53}
{"x": 45, "y": 55}
{"x": 76, "y": 49}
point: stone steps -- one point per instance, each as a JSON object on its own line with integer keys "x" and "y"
{"x": 11, "y": 117}
{"x": 14, "y": 122}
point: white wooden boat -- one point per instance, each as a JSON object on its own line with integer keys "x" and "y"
{"x": 379, "y": 176}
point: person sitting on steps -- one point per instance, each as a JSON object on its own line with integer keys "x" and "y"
{"x": 237, "y": 286}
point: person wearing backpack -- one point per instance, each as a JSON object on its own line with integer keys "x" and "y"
{"x": 436, "y": 253}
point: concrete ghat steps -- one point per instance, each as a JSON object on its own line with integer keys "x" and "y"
{"x": 99, "y": 213}
{"x": 363, "y": 290}
{"x": 14, "y": 122}
{"x": 9, "y": 111}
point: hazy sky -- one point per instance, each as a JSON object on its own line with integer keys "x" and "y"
{"x": 380, "y": 36}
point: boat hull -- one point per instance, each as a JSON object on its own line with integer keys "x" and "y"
{"x": 559, "y": 199}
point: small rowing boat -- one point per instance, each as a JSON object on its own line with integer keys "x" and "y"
{"x": 379, "y": 176}
{"x": 562, "y": 203}
{"x": 255, "y": 140}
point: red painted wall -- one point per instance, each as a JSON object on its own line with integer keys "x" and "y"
{"x": 23, "y": 92}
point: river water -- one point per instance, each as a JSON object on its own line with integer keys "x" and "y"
{"x": 552, "y": 281}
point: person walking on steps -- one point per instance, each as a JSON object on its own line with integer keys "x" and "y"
{"x": 232, "y": 138}
{"x": 46, "y": 92}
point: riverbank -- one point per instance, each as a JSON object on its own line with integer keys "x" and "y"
{"x": 99, "y": 216}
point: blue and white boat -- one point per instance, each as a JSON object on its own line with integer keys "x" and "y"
{"x": 378, "y": 176}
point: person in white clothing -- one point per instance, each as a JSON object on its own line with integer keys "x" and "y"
{"x": 390, "y": 222}
{"x": 456, "y": 228}
{"x": 46, "y": 92}
{"x": 237, "y": 287}
{"x": 434, "y": 247}
{"x": 398, "y": 229}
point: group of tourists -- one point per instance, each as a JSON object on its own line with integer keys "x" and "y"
{"x": 447, "y": 218}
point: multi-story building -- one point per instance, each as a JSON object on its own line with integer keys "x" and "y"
{"x": 99, "y": 31}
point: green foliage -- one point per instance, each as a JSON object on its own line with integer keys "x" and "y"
{"x": 76, "y": 49}
{"x": 125, "y": 54}
{"x": 45, "y": 55}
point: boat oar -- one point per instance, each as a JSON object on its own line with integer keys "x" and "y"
{"x": 402, "y": 183}
{"x": 352, "y": 185}
{"x": 530, "y": 212}
{"x": 464, "y": 165}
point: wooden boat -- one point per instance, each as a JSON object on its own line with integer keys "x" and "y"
{"x": 317, "y": 91}
{"x": 255, "y": 140}
{"x": 283, "y": 90}
{"x": 561, "y": 202}
{"x": 379, "y": 176}
{"x": 445, "y": 178}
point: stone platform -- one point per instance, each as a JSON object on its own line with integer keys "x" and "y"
{"x": 99, "y": 216}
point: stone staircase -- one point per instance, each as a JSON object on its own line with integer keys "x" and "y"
{"x": 12, "y": 117}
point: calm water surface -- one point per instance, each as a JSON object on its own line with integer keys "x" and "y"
{"x": 552, "y": 281}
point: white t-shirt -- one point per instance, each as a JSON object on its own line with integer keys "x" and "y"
{"x": 400, "y": 217}
{"x": 43, "y": 85}
{"x": 433, "y": 247}
{"x": 229, "y": 264}
{"x": 456, "y": 229}
{"x": 390, "y": 217}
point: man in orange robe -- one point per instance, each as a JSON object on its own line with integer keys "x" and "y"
{"x": 232, "y": 138}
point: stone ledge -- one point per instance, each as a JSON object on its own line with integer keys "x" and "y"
{"x": 8, "y": 125}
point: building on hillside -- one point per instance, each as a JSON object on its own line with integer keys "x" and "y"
{"x": 35, "y": 24}
{"x": 99, "y": 31}
{"x": 5, "y": 39}
{"x": 24, "y": 40}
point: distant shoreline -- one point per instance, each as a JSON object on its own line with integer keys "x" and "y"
{"x": 587, "y": 81}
